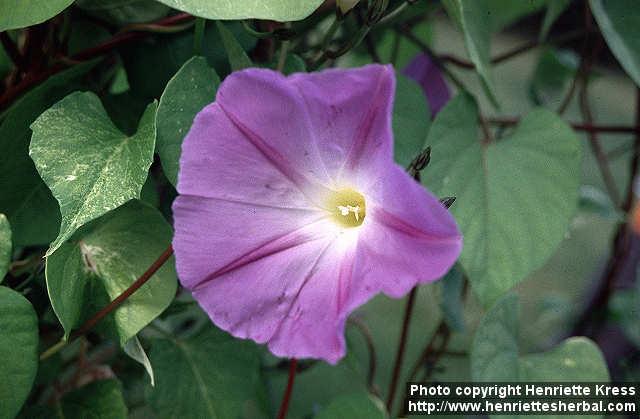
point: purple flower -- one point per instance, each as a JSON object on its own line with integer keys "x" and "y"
{"x": 292, "y": 213}
{"x": 428, "y": 75}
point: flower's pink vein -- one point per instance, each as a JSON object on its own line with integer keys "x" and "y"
{"x": 344, "y": 280}
{"x": 271, "y": 154}
{"x": 397, "y": 223}
{"x": 276, "y": 245}
{"x": 253, "y": 204}
{"x": 306, "y": 279}
{"x": 364, "y": 129}
{"x": 307, "y": 113}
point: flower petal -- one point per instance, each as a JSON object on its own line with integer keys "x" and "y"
{"x": 350, "y": 113}
{"x": 233, "y": 199}
{"x": 423, "y": 70}
{"x": 291, "y": 298}
{"x": 213, "y": 235}
{"x": 269, "y": 111}
{"x": 219, "y": 161}
{"x": 412, "y": 238}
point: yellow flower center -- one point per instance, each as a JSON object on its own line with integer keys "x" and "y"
{"x": 347, "y": 207}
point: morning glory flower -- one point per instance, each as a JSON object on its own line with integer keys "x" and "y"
{"x": 427, "y": 74}
{"x": 291, "y": 212}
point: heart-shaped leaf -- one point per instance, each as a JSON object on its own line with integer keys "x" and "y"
{"x": 102, "y": 260}
{"x": 554, "y": 9}
{"x": 89, "y": 165}
{"x": 452, "y": 303}
{"x": 504, "y": 13}
{"x": 238, "y": 59}
{"x": 620, "y": 24}
{"x": 192, "y": 87}
{"x": 354, "y": 406}
{"x": 472, "y": 16}
{"x": 511, "y": 224}
{"x": 18, "y": 351}
{"x": 134, "y": 349}
{"x": 24, "y": 198}
{"x": 411, "y": 120}
{"x": 495, "y": 354}
{"x": 280, "y": 10}
{"x": 16, "y": 14}
{"x": 5, "y": 246}
{"x": 216, "y": 376}
{"x": 122, "y": 12}
{"x": 625, "y": 309}
{"x": 99, "y": 400}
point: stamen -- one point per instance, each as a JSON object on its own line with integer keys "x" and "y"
{"x": 347, "y": 207}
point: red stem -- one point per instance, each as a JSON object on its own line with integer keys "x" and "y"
{"x": 119, "y": 39}
{"x": 284, "y": 406}
{"x": 635, "y": 160}
{"x": 88, "y": 325}
{"x": 468, "y": 65}
{"x": 587, "y": 127}
{"x": 124, "y": 37}
{"x": 402, "y": 343}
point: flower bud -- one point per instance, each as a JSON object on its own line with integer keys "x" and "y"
{"x": 346, "y": 5}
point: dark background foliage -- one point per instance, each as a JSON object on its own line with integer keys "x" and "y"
{"x": 93, "y": 322}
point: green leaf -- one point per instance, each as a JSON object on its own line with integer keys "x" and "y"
{"x": 554, "y": 10}
{"x": 511, "y": 224}
{"x": 166, "y": 54}
{"x": 5, "y": 246}
{"x": 102, "y": 260}
{"x": 238, "y": 59}
{"x": 122, "y": 12}
{"x": 495, "y": 353}
{"x": 84, "y": 34}
{"x": 89, "y": 165}
{"x": 99, "y": 400}
{"x": 5, "y": 63}
{"x": 595, "y": 201}
{"x": 411, "y": 120}
{"x": 354, "y": 406}
{"x": 552, "y": 75}
{"x": 125, "y": 110}
{"x": 18, "y": 351}
{"x": 24, "y": 198}
{"x": 625, "y": 308}
{"x": 574, "y": 359}
{"x": 293, "y": 64}
{"x": 504, "y": 13}
{"x": 16, "y": 14}
{"x": 192, "y": 87}
{"x": 473, "y": 17}
{"x": 134, "y": 349}
{"x": 620, "y": 26}
{"x": 149, "y": 193}
{"x": 452, "y": 302}
{"x": 209, "y": 375}
{"x": 279, "y": 10}
{"x": 120, "y": 83}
